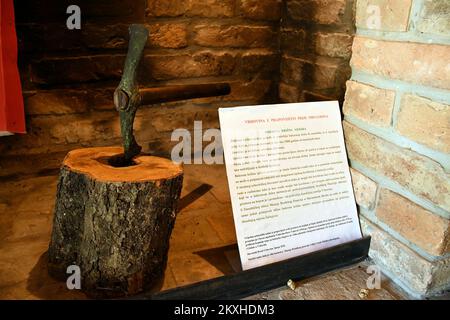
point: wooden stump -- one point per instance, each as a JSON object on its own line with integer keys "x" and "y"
{"x": 114, "y": 222}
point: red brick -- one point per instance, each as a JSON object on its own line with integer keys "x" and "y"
{"x": 319, "y": 74}
{"x": 292, "y": 70}
{"x": 101, "y": 98}
{"x": 319, "y": 11}
{"x": 420, "y": 226}
{"x": 261, "y": 10}
{"x": 204, "y": 8}
{"x": 68, "y": 101}
{"x": 434, "y": 17}
{"x": 51, "y": 37}
{"x": 416, "y": 173}
{"x": 288, "y": 93}
{"x": 310, "y": 96}
{"x": 335, "y": 45}
{"x": 167, "y": 119}
{"x": 420, "y": 275}
{"x": 325, "y": 75}
{"x": 211, "y": 8}
{"x": 394, "y": 14}
{"x": 425, "y": 121}
{"x": 404, "y": 61}
{"x": 260, "y": 61}
{"x": 370, "y": 104}
{"x": 364, "y": 188}
{"x": 293, "y": 40}
{"x": 199, "y": 64}
{"x": 56, "y": 102}
{"x": 56, "y": 133}
{"x": 234, "y": 36}
{"x": 167, "y": 8}
{"x": 168, "y": 35}
{"x": 256, "y": 90}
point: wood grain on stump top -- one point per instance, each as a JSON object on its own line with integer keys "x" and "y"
{"x": 114, "y": 222}
{"x": 94, "y": 162}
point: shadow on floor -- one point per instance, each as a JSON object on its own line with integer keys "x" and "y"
{"x": 225, "y": 259}
{"x": 193, "y": 195}
{"x": 43, "y": 286}
{"x": 40, "y": 284}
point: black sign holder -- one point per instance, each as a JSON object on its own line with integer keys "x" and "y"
{"x": 275, "y": 275}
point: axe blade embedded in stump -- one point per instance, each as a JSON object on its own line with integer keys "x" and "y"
{"x": 128, "y": 97}
{"x": 115, "y": 223}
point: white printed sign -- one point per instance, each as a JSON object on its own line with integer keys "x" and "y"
{"x": 289, "y": 180}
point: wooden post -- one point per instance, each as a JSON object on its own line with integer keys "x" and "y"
{"x": 114, "y": 222}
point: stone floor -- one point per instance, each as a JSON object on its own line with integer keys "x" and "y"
{"x": 343, "y": 284}
{"x": 202, "y": 244}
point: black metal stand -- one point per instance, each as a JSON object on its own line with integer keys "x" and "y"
{"x": 253, "y": 281}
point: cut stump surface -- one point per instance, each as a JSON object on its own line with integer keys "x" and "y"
{"x": 114, "y": 222}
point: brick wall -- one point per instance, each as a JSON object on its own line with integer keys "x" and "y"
{"x": 397, "y": 114}
{"x": 69, "y": 76}
{"x": 268, "y": 50}
{"x": 316, "y": 38}
{"x": 397, "y": 129}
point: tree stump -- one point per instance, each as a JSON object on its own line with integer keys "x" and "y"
{"x": 114, "y": 222}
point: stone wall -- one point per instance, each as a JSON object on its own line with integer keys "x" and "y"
{"x": 68, "y": 76}
{"x": 397, "y": 130}
{"x": 316, "y": 39}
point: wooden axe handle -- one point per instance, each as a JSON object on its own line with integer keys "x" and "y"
{"x": 183, "y": 92}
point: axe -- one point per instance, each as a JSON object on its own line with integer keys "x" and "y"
{"x": 128, "y": 96}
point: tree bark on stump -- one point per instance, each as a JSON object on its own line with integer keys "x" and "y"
{"x": 114, "y": 222}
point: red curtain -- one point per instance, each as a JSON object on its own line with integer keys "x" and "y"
{"x": 12, "y": 117}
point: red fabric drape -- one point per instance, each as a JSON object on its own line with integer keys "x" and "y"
{"x": 12, "y": 118}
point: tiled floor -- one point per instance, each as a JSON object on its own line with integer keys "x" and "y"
{"x": 201, "y": 245}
